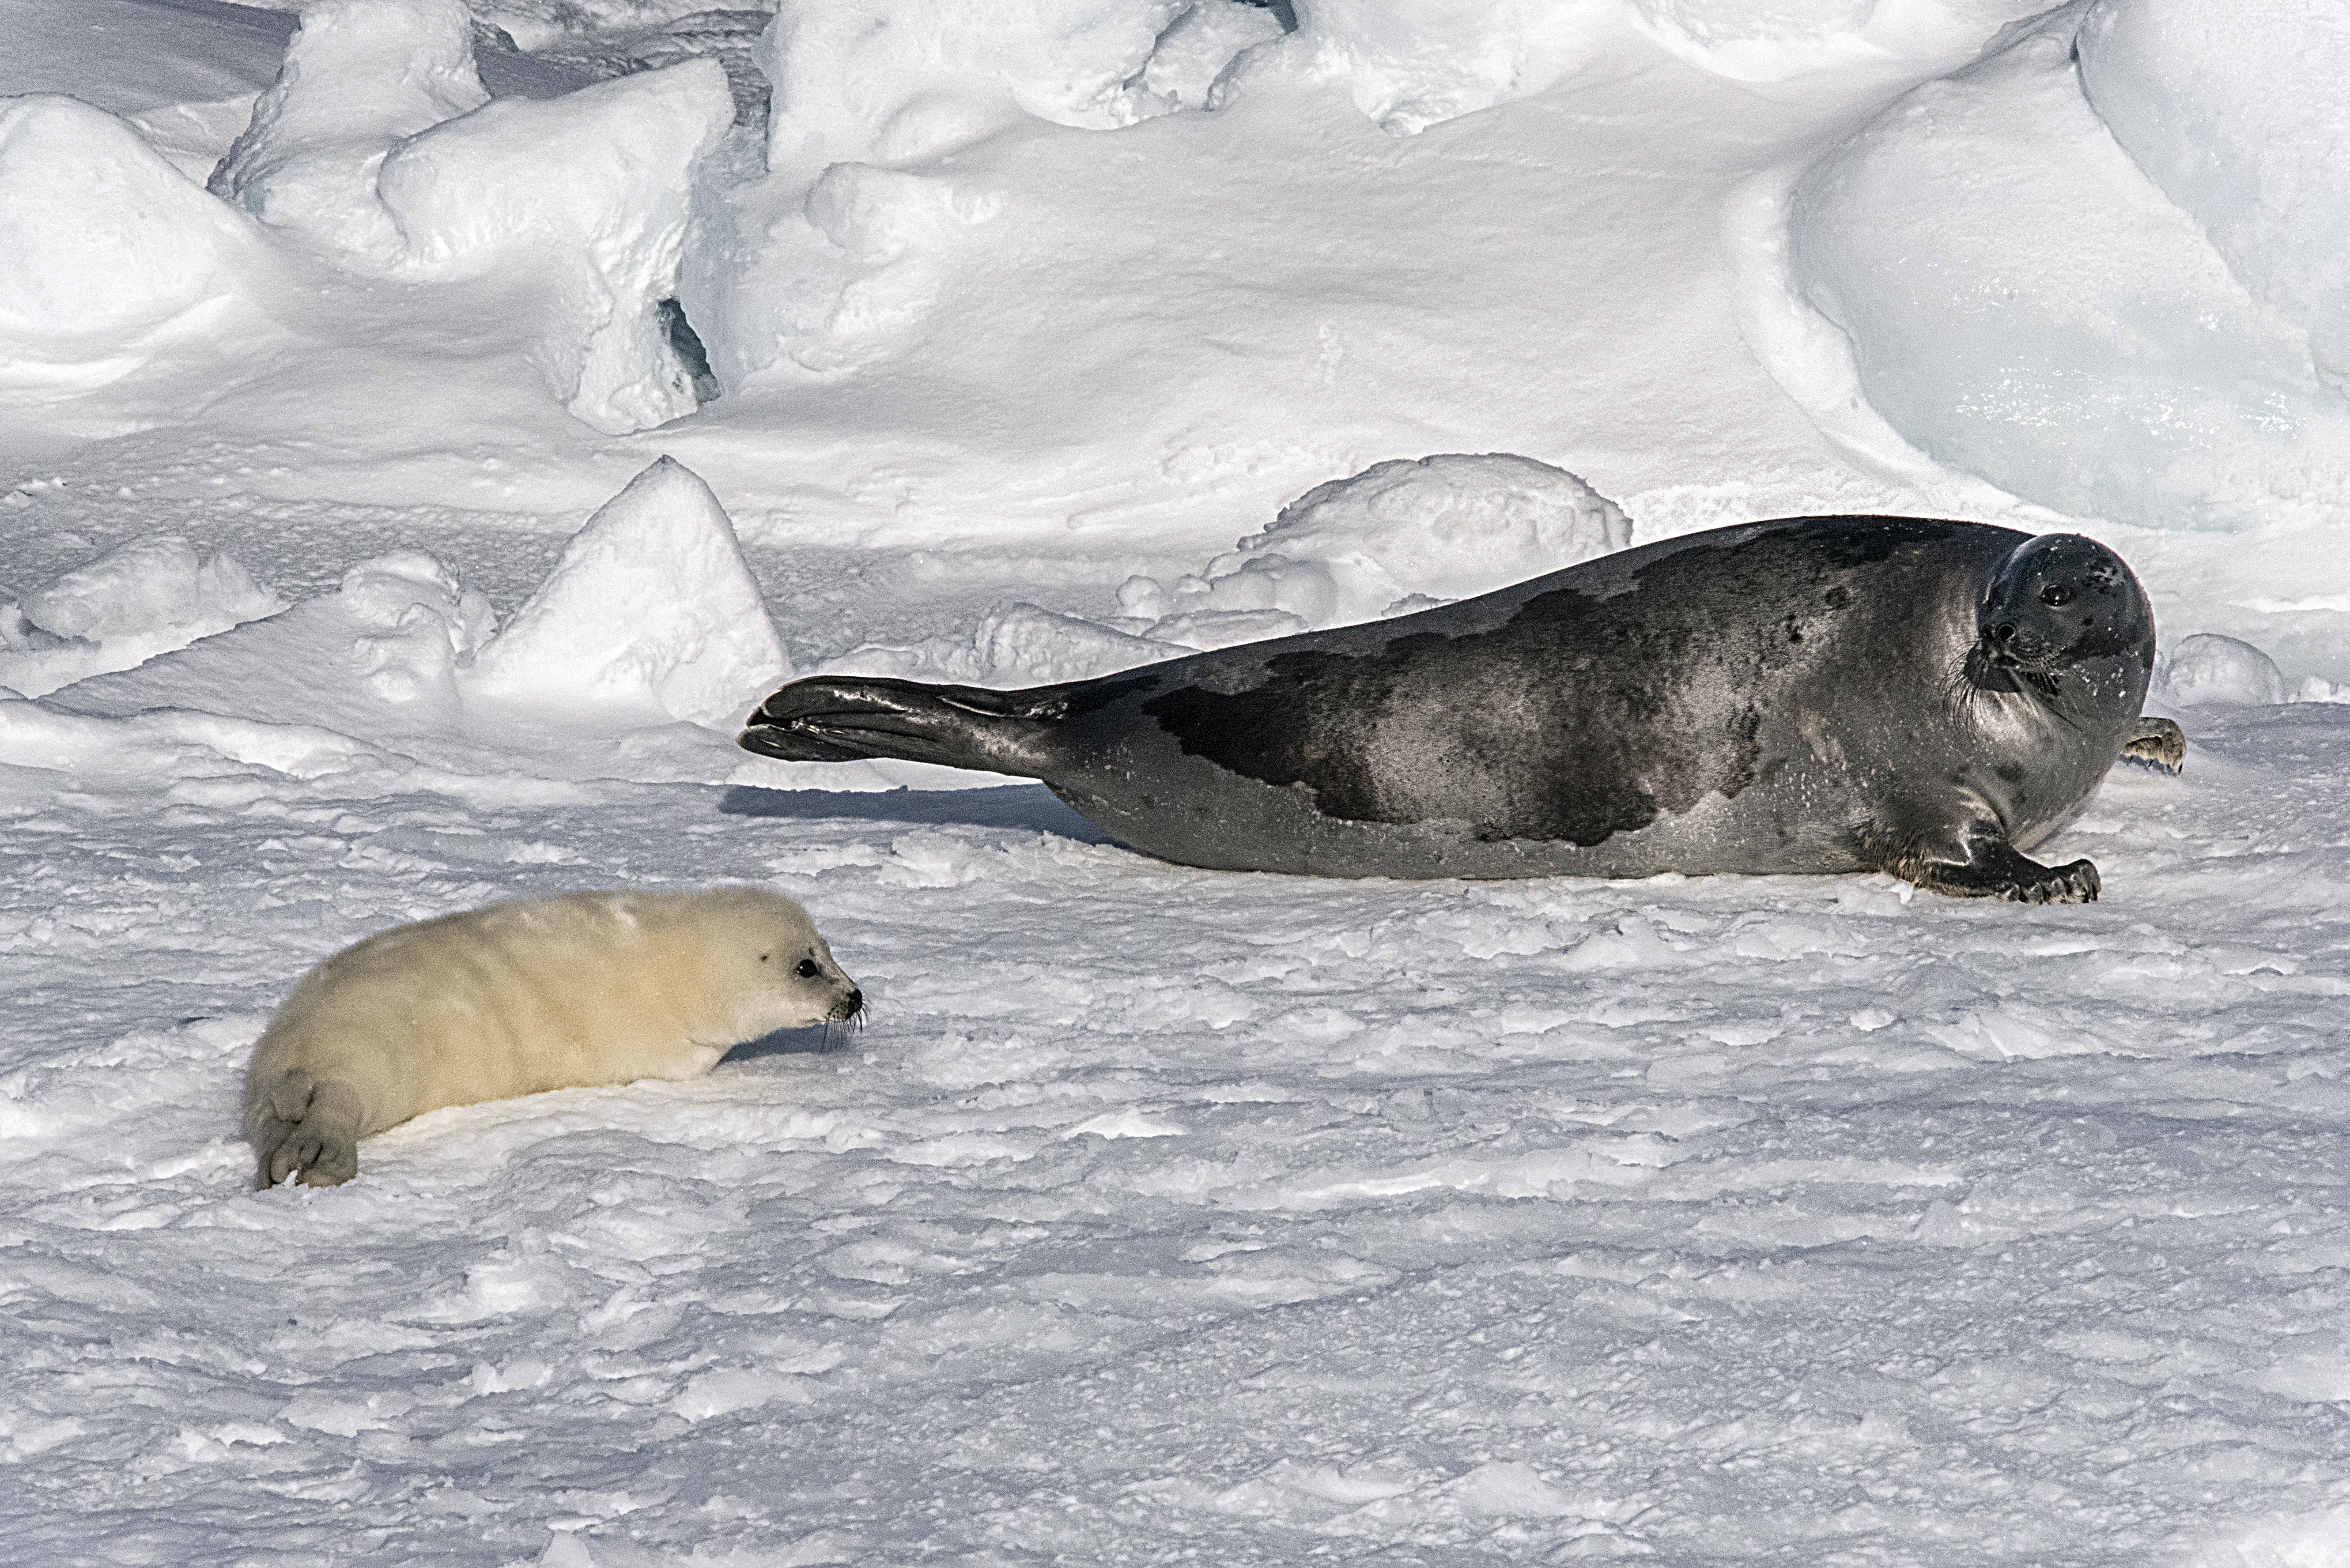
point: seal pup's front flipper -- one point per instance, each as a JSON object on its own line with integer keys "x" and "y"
{"x": 843, "y": 718}
{"x": 2158, "y": 743}
{"x": 304, "y": 1127}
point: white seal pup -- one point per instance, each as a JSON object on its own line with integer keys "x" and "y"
{"x": 518, "y": 998}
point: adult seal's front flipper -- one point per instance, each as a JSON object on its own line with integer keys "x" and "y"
{"x": 1999, "y": 872}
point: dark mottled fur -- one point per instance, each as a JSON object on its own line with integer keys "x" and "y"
{"x": 1809, "y": 695}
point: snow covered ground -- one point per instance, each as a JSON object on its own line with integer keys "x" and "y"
{"x": 1158, "y": 1215}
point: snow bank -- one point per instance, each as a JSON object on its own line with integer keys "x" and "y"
{"x": 379, "y": 654}
{"x": 651, "y": 605}
{"x": 2209, "y": 667}
{"x": 1018, "y": 644}
{"x": 1201, "y": 44}
{"x": 2023, "y": 304}
{"x": 2235, "y": 108}
{"x": 378, "y": 142}
{"x": 137, "y": 600}
{"x": 1400, "y": 535}
{"x": 359, "y": 76}
{"x": 101, "y": 240}
{"x": 1403, "y": 535}
{"x": 892, "y": 81}
{"x": 583, "y": 200}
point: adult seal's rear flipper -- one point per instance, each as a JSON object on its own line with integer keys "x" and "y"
{"x": 840, "y": 718}
{"x": 2158, "y": 743}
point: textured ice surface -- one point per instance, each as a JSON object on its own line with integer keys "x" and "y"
{"x": 2024, "y": 305}
{"x": 1748, "y": 1220}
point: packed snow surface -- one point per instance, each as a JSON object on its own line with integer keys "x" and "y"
{"x": 370, "y": 549}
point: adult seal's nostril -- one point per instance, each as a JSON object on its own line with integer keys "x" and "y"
{"x": 2004, "y": 633}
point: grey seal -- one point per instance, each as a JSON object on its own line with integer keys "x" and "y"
{"x": 1923, "y": 697}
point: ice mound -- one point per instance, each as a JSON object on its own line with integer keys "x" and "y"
{"x": 2024, "y": 306}
{"x": 650, "y": 606}
{"x": 831, "y": 254}
{"x": 2209, "y": 667}
{"x": 378, "y": 142}
{"x": 1408, "y": 66}
{"x": 891, "y": 81}
{"x": 1400, "y": 535}
{"x": 138, "y": 600}
{"x": 1019, "y": 645}
{"x": 586, "y": 196}
{"x": 380, "y": 654}
{"x": 1197, "y": 46}
{"x": 359, "y": 76}
{"x": 2235, "y": 108}
{"x": 100, "y": 238}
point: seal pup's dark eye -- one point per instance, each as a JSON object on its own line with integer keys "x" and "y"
{"x": 808, "y": 970}
{"x": 2057, "y": 594}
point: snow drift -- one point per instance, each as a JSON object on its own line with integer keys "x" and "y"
{"x": 651, "y": 605}
{"x": 2025, "y": 306}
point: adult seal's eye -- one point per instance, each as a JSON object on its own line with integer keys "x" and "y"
{"x": 2057, "y": 594}
{"x": 808, "y": 970}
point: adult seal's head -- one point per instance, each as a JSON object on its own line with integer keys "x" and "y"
{"x": 2064, "y": 620}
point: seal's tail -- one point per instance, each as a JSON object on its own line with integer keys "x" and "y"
{"x": 842, "y": 718}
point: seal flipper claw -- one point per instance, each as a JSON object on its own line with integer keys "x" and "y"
{"x": 307, "y": 1129}
{"x": 1998, "y": 872}
{"x": 2157, "y": 744}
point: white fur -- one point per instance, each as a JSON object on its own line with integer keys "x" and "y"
{"x": 517, "y": 997}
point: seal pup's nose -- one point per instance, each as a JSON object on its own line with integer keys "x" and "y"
{"x": 849, "y": 1006}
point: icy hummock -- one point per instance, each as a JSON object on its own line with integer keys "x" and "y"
{"x": 359, "y": 76}
{"x": 650, "y": 606}
{"x": 1407, "y": 534}
{"x": 2234, "y": 107}
{"x": 139, "y": 599}
{"x": 577, "y": 208}
{"x": 101, "y": 242}
{"x": 2209, "y": 667}
{"x": 2025, "y": 306}
{"x": 378, "y": 657}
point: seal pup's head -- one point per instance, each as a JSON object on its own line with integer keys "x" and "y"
{"x": 2060, "y": 601}
{"x": 766, "y": 954}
